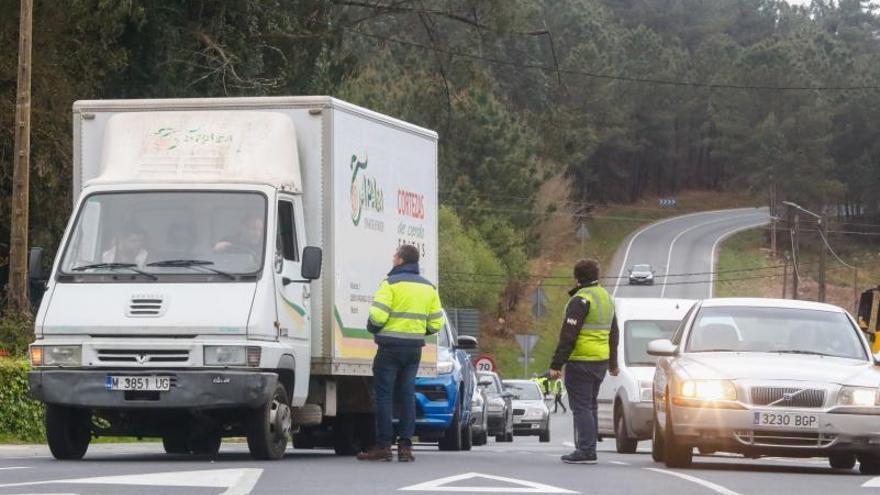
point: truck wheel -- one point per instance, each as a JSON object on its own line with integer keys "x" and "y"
{"x": 269, "y": 427}
{"x": 675, "y": 454}
{"x": 842, "y": 461}
{"x": 68, "y": 431}
{"x": 544, "y": 437}
{"x": 207, "y": 444}
{"x": 869, "y": 464}
{"x": 175, "y": 444}
{"x": 303, "y": 440}
{"x": 344, "y": 440}
{"x": 451, "y": 439}
{"x": 622, "y": 441}
{"x": 657, "y": 444}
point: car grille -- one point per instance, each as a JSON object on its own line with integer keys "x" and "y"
{"x": 788, "y": 397}
{"x": 784, "y": 439}
{"x": 519, "y": 412}
{"x": 143, "y": 356}
{"x": 434, "y": 393}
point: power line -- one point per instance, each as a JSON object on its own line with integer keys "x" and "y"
{"x": 689, "y": 282}
{"x": 551, "y": 277}
{"x": 828, "y": 245}
{"x": 613, "y": 77}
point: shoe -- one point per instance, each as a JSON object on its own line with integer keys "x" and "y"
{"x": 376, "y": 454}
{"x": 404, "y": 454}
{"x": 578, "y": 457}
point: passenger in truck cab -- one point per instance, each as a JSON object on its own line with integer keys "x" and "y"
{"x": 130, "y": 246}
{"x": 248, "y": 239}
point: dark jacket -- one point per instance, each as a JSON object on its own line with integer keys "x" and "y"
{"x": 575, "y": 313}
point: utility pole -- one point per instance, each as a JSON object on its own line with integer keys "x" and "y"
{"x": 855, "y": 290}
{"x": 822, "y": 258}
{"x": 773, "y": 219}
{"x": 17, "y": 291}
{"x": 794, "y": 253}
{"x": 784, "y": 275}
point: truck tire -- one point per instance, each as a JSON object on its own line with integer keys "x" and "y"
{"x": 303, "y": 440}
{"x": 842, "y": 461}
{"x": 623, "y": 443}
{"x": 869, "y": 464}
{"x": 268, "y": 428}
{"x": 175, "y": 444}
{"x": 207, "y": 444}
{"x": 68, "y": 431}
{"x": 344, "y": 439}
{"x": 451, "y": 439}
{"x": 675, "y": 454}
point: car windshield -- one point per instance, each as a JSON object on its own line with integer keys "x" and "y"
{"x": 491, "y": 388}
{"x": 198, "y": 234}
{"x": 638, "y": 333}
{"x": 642, "y": 268}
{"x": 776, "y": 330}
{"x": 523, "y": 390}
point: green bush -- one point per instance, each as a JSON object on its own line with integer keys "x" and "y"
{"x": 21, "y": 418}
{"x": 16, "y": 332}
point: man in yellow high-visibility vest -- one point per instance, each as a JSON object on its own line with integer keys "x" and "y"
{"x": 588, "y": 349}
{"x": 405, "y": 309}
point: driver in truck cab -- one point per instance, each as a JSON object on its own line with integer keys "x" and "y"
{"x": 248, "y": 239}
{"x": 130, "y": 246}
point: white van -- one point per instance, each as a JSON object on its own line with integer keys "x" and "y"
{"x": 626, "y": 400}
{"x": 186, "y": 300}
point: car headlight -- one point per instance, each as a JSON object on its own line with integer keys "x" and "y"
{"x": 444, "y": 367}
{"x": 708, "y": 390}
{"x": 858, "y": 396}
{"x": 646, "y": 391}
{"x": 225, "y": 355}
{"x": 56, "y": 355}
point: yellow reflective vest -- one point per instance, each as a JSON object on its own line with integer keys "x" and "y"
{"x": 405, "y": 308}
{"x": 592, "y": 341}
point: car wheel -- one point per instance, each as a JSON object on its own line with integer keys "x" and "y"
{"x": 842, "y": 461}
{"x": 268, "y": 427}
{"x": 206, "y": 444}
{"x": 869, "y": 464}
{"x": 675, "y": 454}
{"x": 68, "y": 431}
{"x": 657, "y": 445}
{"x": 451, "y": 440}
{"x": 467, "y": 437}
{"x": 622, "y": 441}
{"x": 481, "y": 438}
{"x": 545, "y": 435}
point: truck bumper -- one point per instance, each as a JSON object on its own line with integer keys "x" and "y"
{"x": 202, "y": 389}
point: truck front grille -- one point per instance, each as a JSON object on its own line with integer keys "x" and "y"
{"x": 143, "y": 356}
{"x": 788, "y": 397}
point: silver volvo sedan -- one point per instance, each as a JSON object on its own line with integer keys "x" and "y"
{"x": 765, "y": 377}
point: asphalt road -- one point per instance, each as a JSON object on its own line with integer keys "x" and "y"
{"x": 677, "y": 246}
{"x": 525, "y": 466}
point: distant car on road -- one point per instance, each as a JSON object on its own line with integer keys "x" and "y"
{"x": 530, "y": 413}
{"x": 626, "y": 404}
{"x": 767, "y": 377}
{"x": 479, "y": 416}
{"x": 500, "y": 409}
{"x": 641, "y": 274}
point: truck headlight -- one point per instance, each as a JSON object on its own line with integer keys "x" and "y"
{"x": 56, "y": 355}
{"x": 858, "y": 396}
{"x": 646, "y": 391}
{"x": 708, "y": 390}
{"x": 444, "y": 367}
{"x": 225, "y": 355}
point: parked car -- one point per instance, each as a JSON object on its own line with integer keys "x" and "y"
{"x": 531, "y": 417}
{"x": 641, "y": 274}
{"x": 443, "y": 402}
{"x": 626, "y": 406}
{"x": 479, "y": 416}
{"x": 767, "y": 377}
{"x": 500, "y": 408}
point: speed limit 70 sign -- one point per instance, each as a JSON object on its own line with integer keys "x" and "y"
{"x": 484, "y": 363}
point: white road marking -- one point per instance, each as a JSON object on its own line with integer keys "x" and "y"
{"x": 655, "y": 224}
{"x": 14, "y": 467}
{"x": 619, "y": 463}
{"x": 568, "y": 444}
{"x": 693, "y": 479}
{"x": 236, "y": 481}
{"x": 718, "y": 241}
{"x": 872, "y": 483}
{"x": 439, "y": 485}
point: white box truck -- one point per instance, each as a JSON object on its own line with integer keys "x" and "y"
{"x": 187, "y": 299}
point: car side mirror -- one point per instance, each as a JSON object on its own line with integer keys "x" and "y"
{"x": 312, "y": 258}
{"x": 35, "y": 264}
{"x": 467, "y": 343}
{"x": 485, "y": 383}
{"x": 662, "y": 347}
{"x": 506, "y": 395}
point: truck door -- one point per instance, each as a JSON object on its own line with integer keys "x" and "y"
{"x": 293, "y": 294}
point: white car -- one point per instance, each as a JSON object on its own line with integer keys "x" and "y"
{"x": 767, "y": 377}
{"x": 625, "y": 401}
{"x": 531, "y": 417}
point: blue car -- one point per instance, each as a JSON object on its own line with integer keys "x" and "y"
{"x": 443, "y": 403}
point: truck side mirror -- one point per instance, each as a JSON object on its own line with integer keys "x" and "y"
{"x": 35, "y": 264}
{"x": 467, "y": 343}
{"x": 312, "y": 258}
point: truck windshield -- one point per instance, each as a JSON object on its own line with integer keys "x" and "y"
{"x": 154, "y": 234}
{"x": 638, "y": 333}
